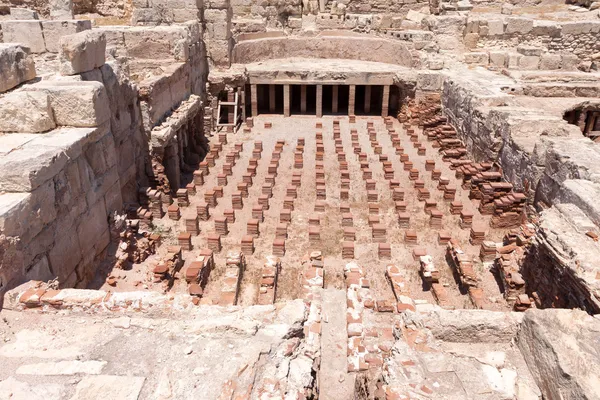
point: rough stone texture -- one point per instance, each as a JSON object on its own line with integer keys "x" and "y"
{"x": 240, "y": 349}
{"x": 23, "y": 13}
{"x": 61, "y": 9}
{"x": 16, "y": 66}
{"x": 26, "y": 112}
{"x": 82, "y": 52}
{"x": 76, "y": 103}
{"x": 54, "y": 30}
{"x": 342, "y": 47}
{"x": 561, "y": 350}
{"x": 27, "y": 33}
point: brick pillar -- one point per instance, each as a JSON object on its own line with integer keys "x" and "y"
{"x": 319, "y": 101}
{"x": 334, "y": 99}
{"x": 254, "y": 100}
{"x": 367, "y": 99}
{"x": 286, "y": 100}
{"x": 385, "y": 102}
{"x": 352, "y": 100}
{"x": 303, "y": 99}
{"x": 272, "y": 99}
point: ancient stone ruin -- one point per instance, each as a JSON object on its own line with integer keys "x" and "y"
{"x": 316, "y": 199}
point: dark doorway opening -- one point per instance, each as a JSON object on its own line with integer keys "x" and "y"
{"x": 343, "y": 97}
{"x": 262, "y": 97}
{"x": 327, "y": 99}
{"x": 395, "y": 101}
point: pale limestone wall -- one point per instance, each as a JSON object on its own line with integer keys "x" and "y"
{"x": 41, "y": 35}
{"x": 579, "y": 38}
{"x": 356, "y": 47}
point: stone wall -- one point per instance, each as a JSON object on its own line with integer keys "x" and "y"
{"x": 580, "y": 38}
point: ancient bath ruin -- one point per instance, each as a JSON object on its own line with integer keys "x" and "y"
{"x": 285, "y": 199}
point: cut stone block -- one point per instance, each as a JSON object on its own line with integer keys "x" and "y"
{"x": 54, "y": 30}
{"x": 23, "y": 14}
{"x": 82, "y": 52}
{"x": 26, "y": 112}
{"x": 27, "y": 33}
{"x": 77, "y": 104}
{"x": 16, "y": 66}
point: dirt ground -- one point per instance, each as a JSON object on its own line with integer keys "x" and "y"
{"x": 297, "y": 244}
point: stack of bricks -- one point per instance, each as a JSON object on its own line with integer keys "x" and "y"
{"x": 314, "y": 234}
{"x": 281, "y": 231}
{"x": 257, "y": 150}
{"x": 463, "y": 265}
{"x": 440, "y": 295}
{"x": 347, "y": 250}
{"x": 384, "y": 251}
{"x": 230, "y": 215}
{"x": 252, "y": 227}
{"x": 279, "y": 247}
{"x": 198, "y": 272}
{"x": 268, "y": 281}
{"x": 173, "y": 212}
{"x": 203, "y": 211}
{"x": 379, "y": 233}
{"x": 477, "y": 234}
{"x": 214, "y": 242}
{"x": 488, "y": 251}
{"x": 198, "y": 178}
{"x": 221, "y": 226}
{"x": 248, "y": 244}
{"x": 435, "y": 220}
{"x": 258, "y": 213}
{"x": 312, "y": 274}
{"x": 509, "y": 211}
{"x": 236, "y": 200}
{"x": 235, "y": 264}
{"x": 456, "y": 207}
{"x": 185, "y": 240}
{"x": 182, "y": 198}
{"x": 399, "y": 287}
{"x": 210, "y": 198}
{"x": 491, "y": 191}
{"x": 167, "y": 267}
{"x": 466, "y": 219}
{"x": 191, "y": 224}
{"x": 410, "y": 237}
{"x": 429, "y": 271}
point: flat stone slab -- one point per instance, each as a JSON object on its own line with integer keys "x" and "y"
{"x": 109, "y": 387}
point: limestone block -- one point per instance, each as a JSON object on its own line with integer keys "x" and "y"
{"x": 569, "y": 62}
{"x": 185, "y": 14}
{"x": 415, "y": 16}
{"x": 154, "y": 43}
{"x": 529, "y": 50}
{"x": 215, "y": 15}
{"x": 495, "y": 27}
{"x": 550, "y": 61}
{"x": 580, "y": 27}
{"x": 61, "y": 9}
{"x": 430, "y": 81}
{"x": 26, "y": 112}
{"x": 513, "y": 60}
{"x": 23, "y": 13}
{"x": 518, "y": 25}
{"x": 558, "y": 346}
{"x": 54, "y": 30}
{"x": 77, "y": 104}
{"x": 499, "y": 59}
{"x": 481, "y": 58}
{"x": 219, "y": 52}
{"x": 82, "y": 52}
{"x": 28, "y": 33}
{"x": 546, "y": 28}
{"x": 16, "y": 66}
{"x": 529, "y": 62}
